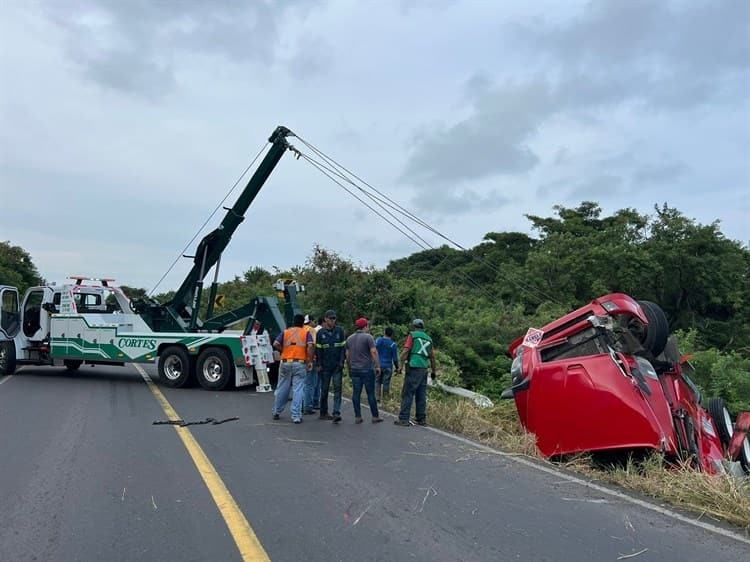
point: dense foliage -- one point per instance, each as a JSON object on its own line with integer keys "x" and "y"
{"x": 475, "y": 302}
{"x": 17, "y": 269}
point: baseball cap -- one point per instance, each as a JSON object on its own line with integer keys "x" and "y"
{"x": 361, "y": 323}
{"x": 330, "y": 314}
{"x": 307, "y": 319}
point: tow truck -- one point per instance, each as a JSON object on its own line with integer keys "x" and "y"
{"x": 92, "y": 321}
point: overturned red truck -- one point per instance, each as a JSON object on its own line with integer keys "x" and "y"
{"x": 609, "y": 377}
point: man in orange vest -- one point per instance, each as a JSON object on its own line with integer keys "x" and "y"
{"x": 296, "y": 347}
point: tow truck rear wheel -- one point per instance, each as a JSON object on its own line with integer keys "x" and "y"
{"x": 175, "y": 366}
{"x": 215, "y": 370}
{"x": 7, "y": 358}
{"x": 720, "y": 414}
{"x": 72, "y": 364}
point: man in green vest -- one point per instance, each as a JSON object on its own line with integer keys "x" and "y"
{"x": 417, "y": 356}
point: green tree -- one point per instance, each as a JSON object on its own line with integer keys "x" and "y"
{"x": 17, "y": 268}
{"x": 702, "y": 278}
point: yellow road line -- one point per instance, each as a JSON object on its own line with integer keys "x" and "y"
{"x": 244, "y": 536}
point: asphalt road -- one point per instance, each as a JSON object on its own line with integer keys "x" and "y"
{"x": 85, "y": 475}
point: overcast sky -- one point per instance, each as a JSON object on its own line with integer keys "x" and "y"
{"x": 123, "y": 123}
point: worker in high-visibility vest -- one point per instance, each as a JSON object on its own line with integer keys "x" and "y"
{"x": 297, "y": 351}
{"x": 418, "y": 355}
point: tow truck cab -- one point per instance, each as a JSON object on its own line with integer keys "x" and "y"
{"x": 26, "y": 326}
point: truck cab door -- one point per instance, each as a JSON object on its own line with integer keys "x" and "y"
{"x": 10, "y": 317}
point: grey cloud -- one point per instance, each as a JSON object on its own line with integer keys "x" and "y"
{"x": 659, "y": 172}
{"x": 490, "y": 141}
{"x": 618, "y": 53}
{"x": 669, "y": 52}
{"x": 134, "y": 46}
{"x": 596, "y": 188}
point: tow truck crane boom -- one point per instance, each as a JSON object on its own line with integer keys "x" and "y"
{"x": 181, "y": 312}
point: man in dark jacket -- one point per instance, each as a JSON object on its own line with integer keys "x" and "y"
{"x": 329, "y": 345}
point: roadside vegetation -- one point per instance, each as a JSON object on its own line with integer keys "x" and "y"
{"x": 475, "y": 302}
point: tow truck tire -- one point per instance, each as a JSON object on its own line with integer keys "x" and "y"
{"x": 720, "y": 414}
{"x": 7, "y": 358}
{"x": 175, "y": 366}
{"x": 654, "y": 338}
{"x": 215, "y": 370}
{"x": 72, "y": 364}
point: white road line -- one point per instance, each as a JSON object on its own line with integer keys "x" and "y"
{"x": 613, "y": 493}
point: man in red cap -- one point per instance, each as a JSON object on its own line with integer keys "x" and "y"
{"x": 363, "y": 361}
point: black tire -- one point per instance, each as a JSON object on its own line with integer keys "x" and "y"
{"x": 7, "y": 358}
{"x": 745, "y": 455}
{"x": 72, "y": 364}
{"x": 654, "y": 336}
{"x": 214, "y": 370}
{"x": 720, "y": 414}
{"x": 175, "y": 367}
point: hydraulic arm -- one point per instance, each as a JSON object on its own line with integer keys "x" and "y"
{"x": 180, "y": 314}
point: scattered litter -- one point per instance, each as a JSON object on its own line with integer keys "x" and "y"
{"x": 369, "y": 505}
{"x": 425, "y": 454}
{"x": 183, "y": 423}
{"x": 429, "y": 491}
{"x": 624, "y": 556}
{"x": 123, "y": 495}
{"x": 153, "y": 503}
{"x": 310, "y": 442}
{"x": 586, "y": 500}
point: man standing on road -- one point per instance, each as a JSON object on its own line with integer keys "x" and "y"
{"x": 388, "y": 353}
{"x": 418, "y": 354}
{"x": 363, "y": 361}
{"x": 296, "y": 346}
{"x": 311, "y": 399}
{"x": 329, "y": 346}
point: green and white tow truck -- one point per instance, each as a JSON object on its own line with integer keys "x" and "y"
{"x": 92, "y": 321}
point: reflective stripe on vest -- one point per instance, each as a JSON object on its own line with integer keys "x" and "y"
{"x": 294, "y": 344}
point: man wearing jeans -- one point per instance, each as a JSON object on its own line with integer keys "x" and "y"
{"x": 296, "y": 346}
{"x": 329, "y": 350}
{"x": 418, "y": 354}
{"x": 363, "y": 361}
{"x": 388, "y": 353}
{"x": 311, "y": 400}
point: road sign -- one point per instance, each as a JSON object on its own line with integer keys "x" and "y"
{"x": 533, "y": 337}
{"x": 219, "y": 301}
